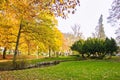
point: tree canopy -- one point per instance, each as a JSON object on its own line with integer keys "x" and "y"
{"x": 28, "y": 17}
{"x": 114, "y": 17}
{"x": 95, "y": 47}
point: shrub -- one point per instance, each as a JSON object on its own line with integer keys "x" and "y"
{"x": 95, "y": 48}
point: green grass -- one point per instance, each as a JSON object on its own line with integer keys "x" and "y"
{"x": 73, "y": 70}
{"x": 8, "y": 64}
{"x": 64, "y": 58}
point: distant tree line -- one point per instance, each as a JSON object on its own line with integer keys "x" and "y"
{"x": 95, "y": 47}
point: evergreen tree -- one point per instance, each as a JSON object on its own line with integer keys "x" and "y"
{"x": 100, "y": 29}
{"x": 110, "y": 46}
{"x": 78, "y": 46}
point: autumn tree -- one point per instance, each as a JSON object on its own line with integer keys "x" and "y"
{"x": 28, "y": 10}
{"x": 44, "y": 33}
{"x": 66, "y": 43}
{"x": 57, "y": 42}
{"x": 39, "y": 32}
{"x": 7, "y": 38}
{"x": 68, "y": 40}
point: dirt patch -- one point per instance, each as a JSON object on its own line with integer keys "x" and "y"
{"x": 10, "y": 57}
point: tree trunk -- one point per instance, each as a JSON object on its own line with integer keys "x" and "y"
{"x": 54, "y": 53}
{"x": 4, "y": 53}
{"x": 28, "y": 51}
{"x": 28, "y": 48}
{"x": 83, "y": 56}
{"x": 17, "y": 44}
{"x": 110, "y": 55}
{"x": 57, "y": 54}
{"x": 49, "y": 52}
{"x": 88, "y": 55}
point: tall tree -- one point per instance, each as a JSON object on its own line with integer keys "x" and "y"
{"x": 100, "y": 29}
{"x": 7, "y": 33}
{"x": 114, "y": 17}
{"x": 29, "y": 10}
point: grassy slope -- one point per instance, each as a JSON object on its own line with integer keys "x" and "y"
{"x": 74, "y": 70}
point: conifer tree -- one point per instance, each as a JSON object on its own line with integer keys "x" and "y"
{"x": 100, "y": 29}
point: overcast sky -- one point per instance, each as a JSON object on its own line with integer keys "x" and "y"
{"x": 87, "y": 15}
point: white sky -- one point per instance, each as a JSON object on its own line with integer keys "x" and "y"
{"x": 87, "y": 15}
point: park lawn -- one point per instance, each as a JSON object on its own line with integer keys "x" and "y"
{"x": 63, "y": 58}
{"x": 73, "y": 70}
{"x": 7, "y": 64}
